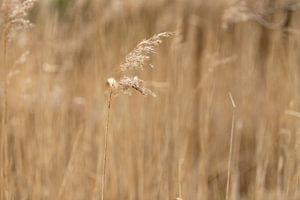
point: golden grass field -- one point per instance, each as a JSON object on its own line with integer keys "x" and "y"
{"x": 225, "y": 123}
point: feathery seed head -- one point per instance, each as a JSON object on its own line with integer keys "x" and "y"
{"x": 137, "y": 58}
{"x": 15, "y": 13}
{"x": 136, "y": 84}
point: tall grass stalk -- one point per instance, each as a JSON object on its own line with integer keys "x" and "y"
{"x": 231, "y": 147}
{"x": 105, "y": 154}
{"x": 4, "y": 171}
{"x": 105, "y": 146}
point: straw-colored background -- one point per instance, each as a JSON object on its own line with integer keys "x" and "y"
{"x": 174, "y": 145}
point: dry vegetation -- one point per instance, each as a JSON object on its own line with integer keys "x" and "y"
{"x": 225, "y": 123}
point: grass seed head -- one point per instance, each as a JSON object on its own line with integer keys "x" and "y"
{"x": 136, "y": 60}
{"x": 14, "y": 15}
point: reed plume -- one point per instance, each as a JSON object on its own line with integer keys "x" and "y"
{"x": 135, "y": 60}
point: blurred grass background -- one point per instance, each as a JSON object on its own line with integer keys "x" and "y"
{"x": 175, "y": 145}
